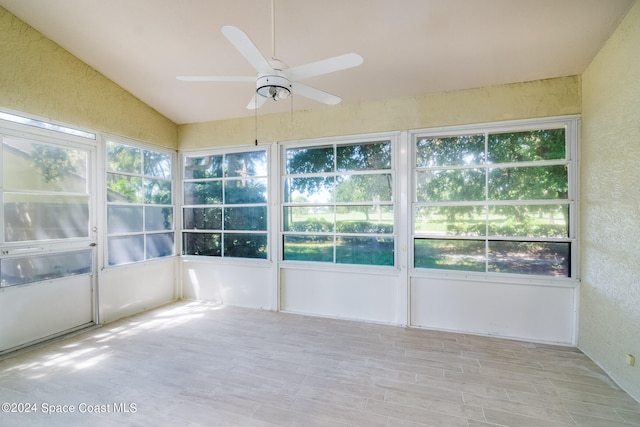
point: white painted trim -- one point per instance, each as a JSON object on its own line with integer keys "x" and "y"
{"x": 273, "y": 212}
{"x": 176, "y": 203}
{"x": 502, "y": 126}
{"x": 571, "y": 123}
{"x": 402, "y": 155}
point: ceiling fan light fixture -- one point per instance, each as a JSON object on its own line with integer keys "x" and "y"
{"x": 273, "y": 87}
{"x": 274, "y": 80}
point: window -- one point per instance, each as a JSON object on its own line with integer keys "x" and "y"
{"x": 21, "y": 270}
{"x": 140, "y": 222}
{"x": 338, "y": 203}
{"x": 225, "y": 205}
{"x": 45, "y": 208}
{"x": 499, "y": 201}
{"x": 46, "y": 125}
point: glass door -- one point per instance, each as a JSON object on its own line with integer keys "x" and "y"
{"x": 47, "y": 239}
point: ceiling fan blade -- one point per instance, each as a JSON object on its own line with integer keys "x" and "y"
{"x": 245, "y": 46}
{"x": 216, "y": 79}
{"x": 324, "y": 66}
{"x": 315, "y": 94}
{"x": 256, "y": 102}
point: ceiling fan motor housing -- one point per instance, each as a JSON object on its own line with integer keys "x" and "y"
{"x": 273, "y": 86}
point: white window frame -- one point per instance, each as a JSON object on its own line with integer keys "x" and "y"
{"x": 395, "y": 140}
{"x": 20, "y": 125}
{"x": 174, "y": 194}
{"x": 571, "y": 124}
{"x": 268, "y": 232}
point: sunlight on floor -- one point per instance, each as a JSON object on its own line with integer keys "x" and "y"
{"x": 88, "y": 350}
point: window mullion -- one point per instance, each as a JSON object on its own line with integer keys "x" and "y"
{"x": 134, "y": 163}
{"x": 486, "y": 201}
{"x": 240, "y": 196}
{"x": 345, "y": 201}
{"x": 526, "y": 196}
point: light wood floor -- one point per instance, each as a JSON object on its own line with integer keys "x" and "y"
{"x": 194, "y": 363}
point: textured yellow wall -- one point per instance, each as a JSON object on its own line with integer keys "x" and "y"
{"x": 39, "y": 77}
{"x": 553, "y": 97}
{"x": 610, "y": 214}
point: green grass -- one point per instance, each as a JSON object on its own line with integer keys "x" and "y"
{"x": 381, "y": 254}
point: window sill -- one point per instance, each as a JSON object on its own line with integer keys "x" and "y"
{"x": 255, "y": 262}
{"x": 340, "y": 268}
{"x": 515, "y": 279}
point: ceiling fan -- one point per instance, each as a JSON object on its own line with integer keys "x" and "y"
{"x": 274, "y": 80}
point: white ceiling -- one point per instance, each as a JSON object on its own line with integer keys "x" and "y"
{"x": 410, "y": 47}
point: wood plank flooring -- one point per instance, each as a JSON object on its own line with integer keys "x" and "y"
{"x": 198, "y": 364}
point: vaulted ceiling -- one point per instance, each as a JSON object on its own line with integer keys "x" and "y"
{"x": 410, "y": 47}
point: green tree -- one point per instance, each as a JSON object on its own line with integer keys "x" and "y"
{"x": 353, "y": 179}
{"x": 528, "y": 183}
{"x": 54, "y": 163}
{"x": 507, "y": 181}
{"x": 369, "y": 189}
{"x": 234, "y": 185}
